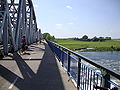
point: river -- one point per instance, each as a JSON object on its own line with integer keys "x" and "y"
{"x": 108, "y": 59}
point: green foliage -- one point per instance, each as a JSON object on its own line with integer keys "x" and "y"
{"x": 95, "y": 39}
{"x": 85, "y": 37}
{"x": 47, "y": 36}
{"x": 107, "y": 38}
{"x": 101, "y": 39}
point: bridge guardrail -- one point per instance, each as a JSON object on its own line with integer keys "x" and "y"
{"x": 84, "y": 76}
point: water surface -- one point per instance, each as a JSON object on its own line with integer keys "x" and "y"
{"x": 108, "y": 59}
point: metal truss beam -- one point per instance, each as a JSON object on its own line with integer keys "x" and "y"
{"x": 17, "y": 20}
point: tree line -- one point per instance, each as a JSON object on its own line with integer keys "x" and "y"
{"x": 47, "y": 36}
{"x": 86, "y": 38}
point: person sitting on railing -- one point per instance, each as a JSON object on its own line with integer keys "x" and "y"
{"x": 23, "y": 44}
{"x": 40, "y": 40}
{"x": 36, "y": 40}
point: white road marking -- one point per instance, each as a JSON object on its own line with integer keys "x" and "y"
{"x": 10, "y": 87}
{"x": 29, "y": 75}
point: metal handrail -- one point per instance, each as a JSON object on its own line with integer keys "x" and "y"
{"x": 101, "y": 67}
{"x": 115, "y": 74}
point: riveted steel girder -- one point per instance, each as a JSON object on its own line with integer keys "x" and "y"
{"x": 17, "y": 20}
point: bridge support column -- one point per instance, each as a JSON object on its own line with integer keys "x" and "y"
{"x": 5, "y": 36}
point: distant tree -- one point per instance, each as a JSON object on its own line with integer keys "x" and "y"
{"x": 76, "y": 39}
{"x": 101, "y": 39}
{"x": 47, "y": 36}
{"x": 84, "y": 38}
{"x": 95, "y": 39}
{"x": 52, "y": 38}
{"x": 107, "y": 38}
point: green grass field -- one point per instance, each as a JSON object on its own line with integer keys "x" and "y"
{"x": 111, "y": 45}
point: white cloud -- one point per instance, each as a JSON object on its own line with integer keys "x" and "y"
{"x": 69, "y": 7}
{"x": 58, "y": 26}
{"x": 70, "y": 23}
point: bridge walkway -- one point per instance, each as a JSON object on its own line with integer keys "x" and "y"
{"x": 37, "y": 69}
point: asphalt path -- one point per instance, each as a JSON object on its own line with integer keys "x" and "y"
{"x": 37, "y": 69}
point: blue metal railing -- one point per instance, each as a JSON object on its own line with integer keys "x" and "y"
{"x": 84, "y": 76}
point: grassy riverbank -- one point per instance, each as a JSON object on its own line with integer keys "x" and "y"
{"x": 111, "y": 45}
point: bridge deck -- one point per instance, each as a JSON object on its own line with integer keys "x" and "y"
{"x": 37, "y": 69}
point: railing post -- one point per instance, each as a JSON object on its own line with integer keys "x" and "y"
{"x": 79, "y": 69}
{"x": 107, "y": 76}
{"x": 105, "y": 82}
{"x": 68, "y": 69}
{"x": 62, "y": 56}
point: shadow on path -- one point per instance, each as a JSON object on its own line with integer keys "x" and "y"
{"x": 47, "y": 77}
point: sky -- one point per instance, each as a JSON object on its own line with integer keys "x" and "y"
{"x": 75, "y": 18}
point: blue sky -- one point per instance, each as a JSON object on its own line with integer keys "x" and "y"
{"x": 75, "y": 18}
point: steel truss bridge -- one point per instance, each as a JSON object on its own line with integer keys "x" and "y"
{"x": 17, "y": 19}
